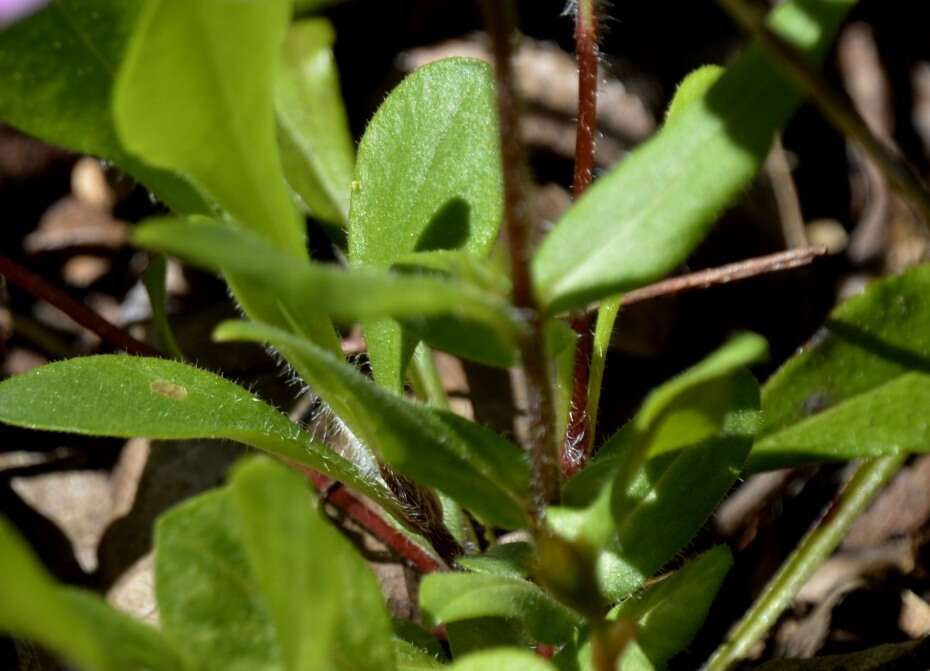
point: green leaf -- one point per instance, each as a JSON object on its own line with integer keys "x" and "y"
{"x": 428, "y": 178}
{"x": 32, "y": 606}
{"x": 76, "y": 625}
{"x": 514, "y": 560}
{"x": 642, "y": 512}
{"x": 485, "y": 633}
{"x": 643, "y": 219}
{"x": 125, "y": 397}
{"x": 502, "y": 659}
{"x": 456, "y": 597}
{"x": 57, "y": 69}
{"x": 128, "y": 643}
{"x": 693, "y": 88}
{"x": 195, "y": 94}
{"x": 346, "y": 294}
{"x": 411, "y": 658}
{"x": 208, "y": 598}
{"x": 861, "y": 388}
{"x": 154, "y": 280}
{"x": 670, "y": 614}
{"x": 667, "y": 615}
{"x": 471, "y": 464}
{"x": 325, "y": 602}
{"x": 316, "y": 146}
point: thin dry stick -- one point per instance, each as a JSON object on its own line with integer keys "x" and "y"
{"x": 74, "y": 309}
{"x": 832, "y": 106}
{"x": 577, "y": 440}
{"x": 741, "y": 270}
{"x": 518, "y": 220}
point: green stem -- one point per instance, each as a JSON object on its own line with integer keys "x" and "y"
{"x": 816, "y": 547}
{"x": 606, "y": 317}
{"x": 426, "y": 379}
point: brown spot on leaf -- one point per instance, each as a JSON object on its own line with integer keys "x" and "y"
{"x": 168, "y": 389}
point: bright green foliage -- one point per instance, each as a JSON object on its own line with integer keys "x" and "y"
{"x": 428, "y": 177}
{"x": 456, "y": 597}
{"x": 411, "y": 658}
{"x": 195, "y": 94}
{"x": 861, "y": 388}
{"x": 56, "y": 72}
{"x": 643, "y": 219}
{"x": 222, "y": 581}
{"x": 348, "y": 295}
{"x": 122, "y": 396}
{"x": 78, "y": 626}
{"x": 502, "y": 659}
{"x": 642, "y": 511}
{"x": 513, "y": 560}
{"x": 316, "y": 146}
{"x": 470, "y": 463}
{"x": 667, "y": 615}
{"x": 692, "y": 89}
{"x": 325, "y": 602}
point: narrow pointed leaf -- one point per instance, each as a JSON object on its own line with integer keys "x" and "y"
{"x": 347, "y": 295}
{"x": 643, "y": 219}
{"x": 456, "y": 597}
{"x": 861, "y": 388}
{"x": 427, "y": 177}
{"x": 61, "y": 92}
{"x": 122, "y": 396}
{"x": 195, "y": 94}
{"x": 325, "y": 602}
{"x": 313, "y": 132}
{"x": 471, "y": 464}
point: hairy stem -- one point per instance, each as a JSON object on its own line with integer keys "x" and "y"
{"x": 518, "y": 226}
{"x": 843, "y": 116}
{"x": 576, "y": 444}
{"x": 816, "y": 547}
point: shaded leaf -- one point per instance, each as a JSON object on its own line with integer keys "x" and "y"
{"x": 125, "y": 397}
{"x": 316, "y": 145}
{"x": 861, "y": 388}
{"x": 325, "y": 602}
{"x": 78, "y": 626}
{"x": 455, "y": 597}
{"x": 154, "y": 280}
{"x": 427, "y": 178}
{"x": 640, "y": 221}
{"x": 61, "y": 92}
{"x": 195, "y": 94}
{"x": 513, "y": 560}
{"x": 471, "y": 464}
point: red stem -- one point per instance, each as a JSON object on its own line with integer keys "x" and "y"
{"x": 518, "y": 219}
{"x": 576, "y": 445}
{"x": 74, "y": 309}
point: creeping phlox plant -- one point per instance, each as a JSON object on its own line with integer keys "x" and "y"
{"x": 229, "y": 112}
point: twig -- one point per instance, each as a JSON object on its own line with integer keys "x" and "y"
{"x": 518, "y": 220}
{"x": 577, "y": 441}
{"x": 832, "y": 106}
{"x": 741, "y": 270}
{"x": 816, "y": 547}
{"x": 74, "y": 309}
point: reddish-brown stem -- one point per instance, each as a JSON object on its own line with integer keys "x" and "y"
{"x": 518, "y": 222}
{"x": 577, "y": 440}
{"x": 741, "y": 270}
{"x": 74, "y": 309}
{"x": 357, "y": 509}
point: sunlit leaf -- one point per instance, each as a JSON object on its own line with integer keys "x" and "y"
{"x": 427, "y": 178}
{"x": 502, "y": 659}
{"x": 640, "y": 221}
